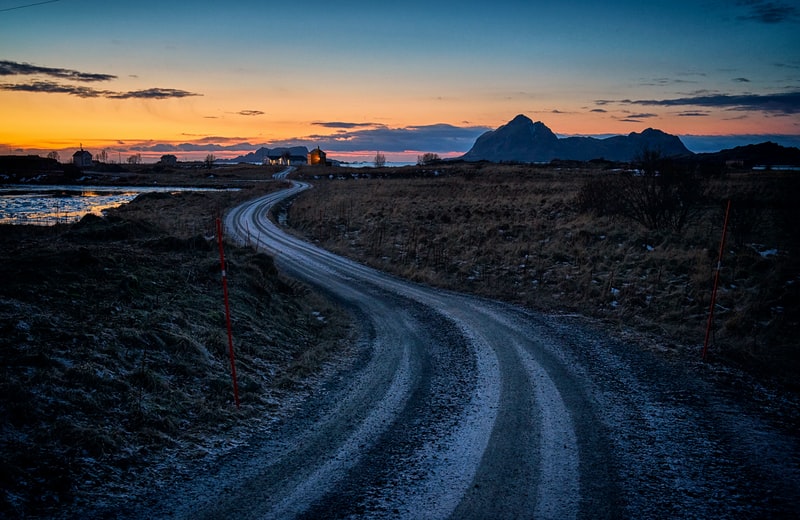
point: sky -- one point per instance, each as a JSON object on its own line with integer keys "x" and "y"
{"x": 401, "y": 78}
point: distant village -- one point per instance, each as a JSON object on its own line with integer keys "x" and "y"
{"x": 294, "y": 156}
{"x": 37, "y": 169}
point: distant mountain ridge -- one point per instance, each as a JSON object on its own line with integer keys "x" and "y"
{"x": 522, "y": 140}
{"x": 262, "y": 153}
{"x": 766, "y": 153}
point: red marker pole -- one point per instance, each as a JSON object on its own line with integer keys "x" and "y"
{"x": 716, "y": 282}
{"x": 227, "y": 312}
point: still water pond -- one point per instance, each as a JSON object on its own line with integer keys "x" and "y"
{"x": 49, "y": 205}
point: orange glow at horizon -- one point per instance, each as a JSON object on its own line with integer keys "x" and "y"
{"x": 38, "y": 123}
{"x": 378, "y": 75}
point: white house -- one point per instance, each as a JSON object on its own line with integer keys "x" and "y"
{"x": 168, "y": 160}
{"x": 82, "y": 159}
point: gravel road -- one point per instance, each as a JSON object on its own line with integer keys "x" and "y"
{"x": 460, "y": 407}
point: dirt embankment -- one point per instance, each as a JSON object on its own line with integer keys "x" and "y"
{"x": 559, "y": 240}
{"x": 113, "y": 350}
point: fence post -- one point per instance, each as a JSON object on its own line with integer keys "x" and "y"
{"x": 227, "y": 312}
{"x": 716, "y": 281}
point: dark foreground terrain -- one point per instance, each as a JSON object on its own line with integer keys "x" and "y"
{"x": 116, "y": 393}
{"x": 113, "y": 352}
{"x": 461, "y": 407}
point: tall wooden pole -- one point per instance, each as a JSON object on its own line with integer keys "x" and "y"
{"x": 227, "y": 312}
{"x": 716, "y": 282}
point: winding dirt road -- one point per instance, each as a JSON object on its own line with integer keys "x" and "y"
{"x": 459, "y": 407}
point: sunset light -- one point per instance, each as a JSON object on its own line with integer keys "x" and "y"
{"x": 418, "y": 259}
{"x": 354, "y": 80}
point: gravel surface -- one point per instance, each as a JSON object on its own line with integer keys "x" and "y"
{"x": 467, "y": 408}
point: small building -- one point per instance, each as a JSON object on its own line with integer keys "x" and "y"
{"x": 168, "y": 160}
{"x": 82, "y": 159}
{"x": 317, "y": 157}
{"x": 284, "y": 157}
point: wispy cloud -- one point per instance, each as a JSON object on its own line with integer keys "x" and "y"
{"x": 784, "y": 103}
{"x": 250, "y": 113}
{"x": 637, "y": 118}
{"x": 48, "y": 86}
{"x": 51, "y": 87}
{"x": 217, "y": 139}
{"x": 28, "y": 5}
{"x": 13, "y": 68}
{"x": 769, "y": 12}
{"x": 152, "y": 93}
{"x": 342, "y": 124}
{"x": 661, "y": 82}
{"x": 741, "y": 80}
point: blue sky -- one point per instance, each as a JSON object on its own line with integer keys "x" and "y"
{"x": 403, "y": 77}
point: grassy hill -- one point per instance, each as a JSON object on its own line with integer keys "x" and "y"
{"x": 573, "y": 239}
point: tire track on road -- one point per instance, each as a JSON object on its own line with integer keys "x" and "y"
{"x": 515, "y": 431}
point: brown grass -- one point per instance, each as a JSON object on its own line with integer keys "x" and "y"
{"x": 114, "y": 351}
{"x": 516, "y": 233}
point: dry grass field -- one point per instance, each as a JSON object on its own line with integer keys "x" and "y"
{"x": 113, "y": 350}
{"x": 112, "y": 334}
{"x": 536, "y": 236}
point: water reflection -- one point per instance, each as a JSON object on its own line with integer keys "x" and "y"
{"x": 50, "y": 205}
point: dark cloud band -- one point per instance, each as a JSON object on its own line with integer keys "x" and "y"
{"x": 635, "y": 118}
{"x": 783, "y": 103}
{"x": 13, "y": 68}
{"x": 50, "y": 87}
{"x": 24, "y": 6}
{"x": 787, "y": 103}
{"x": 769, "y": 12}
{"x": 152, "y": 93}
{"x": 345, "y": 125}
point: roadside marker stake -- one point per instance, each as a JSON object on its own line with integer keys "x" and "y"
{"x": 716, "y": 281}
{"x": 227, "y": 312}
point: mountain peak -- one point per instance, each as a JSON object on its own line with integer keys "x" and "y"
{"x": 521, "y": 120}
{"x": 649, "y": 131}
{"x": 522, "y": 140}
{"x": 542, "y": 130}
{"x": 525, "y": 126}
